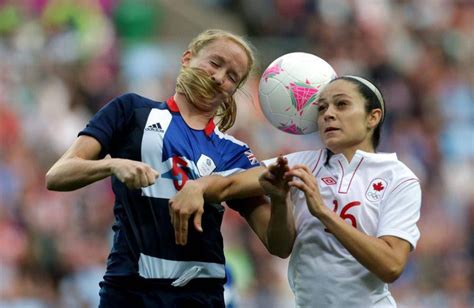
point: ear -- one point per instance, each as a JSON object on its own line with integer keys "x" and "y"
{"x": 374, "y": 118}
{"x": 186, "y": 57}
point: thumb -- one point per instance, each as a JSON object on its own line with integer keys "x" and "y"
{"x": 197, "y": 221}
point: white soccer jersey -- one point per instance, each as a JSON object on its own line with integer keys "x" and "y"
{"x": 378, "y": 195}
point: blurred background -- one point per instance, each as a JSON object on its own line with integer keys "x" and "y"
{"x": 62, "y": 60}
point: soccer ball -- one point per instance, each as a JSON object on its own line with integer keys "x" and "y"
{"x": 288, "y": 90}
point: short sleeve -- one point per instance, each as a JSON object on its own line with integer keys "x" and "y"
{"x": 236, "y": 156}
{"x": 109, "y": 122}
{"x": 309, "y": 158}
{"x": 400, "y": 212}
{"x": 241, "y": 161}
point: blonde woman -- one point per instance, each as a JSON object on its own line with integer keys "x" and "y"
{"x": 154, "y": 148}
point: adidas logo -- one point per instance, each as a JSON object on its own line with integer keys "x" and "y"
{"x": 155, "y": 127}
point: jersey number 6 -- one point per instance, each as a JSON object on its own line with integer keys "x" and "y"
{"x": 344, "y": 215}
{"x": 179, "y": 174}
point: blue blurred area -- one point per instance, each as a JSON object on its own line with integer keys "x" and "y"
{"x": 62, "y": 60}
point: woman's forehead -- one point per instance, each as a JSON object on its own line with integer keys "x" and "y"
{"x": 339, "y": 87}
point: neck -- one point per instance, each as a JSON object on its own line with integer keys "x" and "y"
{"x": 194, "y": 117}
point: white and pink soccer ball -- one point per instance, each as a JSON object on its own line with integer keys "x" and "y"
{"x": 288, "y": 90}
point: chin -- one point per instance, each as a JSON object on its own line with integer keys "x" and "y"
{"x": 333, "y": 146}
{"x": 330, "y": 143}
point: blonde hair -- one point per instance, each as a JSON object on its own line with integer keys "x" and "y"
{"x": 196, "y": 85}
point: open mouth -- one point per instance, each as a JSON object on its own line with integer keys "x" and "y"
{"x": 330, "y": 129}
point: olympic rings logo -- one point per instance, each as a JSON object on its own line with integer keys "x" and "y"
{"x": 373, "y": 195}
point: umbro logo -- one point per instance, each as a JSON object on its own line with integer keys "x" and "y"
{"x": 155, "y": 128}
{"x": 329, "y": 180}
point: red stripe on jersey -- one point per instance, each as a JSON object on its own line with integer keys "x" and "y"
{"x": 172, "y": 104}
{"x": 317, "y": 163}
{"x": 407, "y": 180}
{"x": 209, "y": 127}
{"x": 350, "y": 182}
{"x": 173, "y": 107}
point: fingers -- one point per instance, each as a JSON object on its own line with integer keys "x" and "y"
{"x": 176, "y": 222}
{"x": 282, "y": 161}
{"x": 300, "y": 171}
{"x": 148, "y": 176}
{"x": 280, "y": 167}
{"x": 301, "y": 167}
{"x": 134, "y": 174}
{"x": 180, "y": 228}
{"x": 170, "y": 211}
{"x": 152, "y": 175}
{"x": 180, "y": 222}
{"x": 304, "y": 178}
{"x": 197, "y": 221}
{"x": 181, "y": 233}
{"x": 300, "y": 185}
{"x": 143, "y": 178}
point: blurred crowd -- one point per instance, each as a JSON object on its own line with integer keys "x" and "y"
{"x": 62, "y": 60}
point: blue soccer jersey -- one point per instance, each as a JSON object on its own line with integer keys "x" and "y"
{"x": 137, "y": 128}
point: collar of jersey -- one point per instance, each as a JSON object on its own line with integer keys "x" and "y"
{"x": 173, "y": 107}
{"x": 360, "y": 153}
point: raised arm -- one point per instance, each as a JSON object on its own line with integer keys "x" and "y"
{"x": 280, "y": 232}
{"x": 273, "y": 223}
{"x": 80, "y": 166}
{"x": 189, "y": 200}
{"x": 238, "y": 186}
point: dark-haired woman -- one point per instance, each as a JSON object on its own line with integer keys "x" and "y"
{"x": 346, "y": 214}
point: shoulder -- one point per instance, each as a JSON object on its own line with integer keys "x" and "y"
{"x": 233, "y": 153}
{"x": 312, "y": 158}
{"x": 386, "y": 168}
{"x": 307, "y": 157}
{"x": 388, "y": 163}
{"x": 135, "y": 100}
{"x": 227, "y": 140}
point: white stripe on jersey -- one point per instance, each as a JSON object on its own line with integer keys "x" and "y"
{"x": 228, "y": 137}
{"x": 152, "y": 143}
{"x": 158, "y": 268}
{"x": 229, "y": 172}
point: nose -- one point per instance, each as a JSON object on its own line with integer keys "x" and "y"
{"x": 218, "y": 76}
{"x": 328, "y": 114}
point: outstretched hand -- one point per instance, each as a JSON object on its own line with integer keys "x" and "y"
{"x": 304, "y": 180}
{"x": 187, "y": 202}
{"x": 273, "y": 180}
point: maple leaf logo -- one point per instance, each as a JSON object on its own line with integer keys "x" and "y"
{"x": 378, "y": 186}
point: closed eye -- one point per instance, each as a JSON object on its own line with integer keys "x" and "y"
{"x": 232, "y": 78}
{"x": 341, "y": 104}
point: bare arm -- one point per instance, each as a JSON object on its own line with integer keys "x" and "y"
{"x": 271, "y": 218}
{"x": 189, "y": 200}
{"x": 274, "y": 224}
{"x": 281, "y": 231}
{"x": 238, "y": 186}
{"x": 386, "y": 256}
{"x": 256, "y": 211}
{"x": 80, "y": 166}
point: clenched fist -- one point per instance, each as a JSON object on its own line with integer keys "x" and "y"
{"x": 133, "y": 173}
